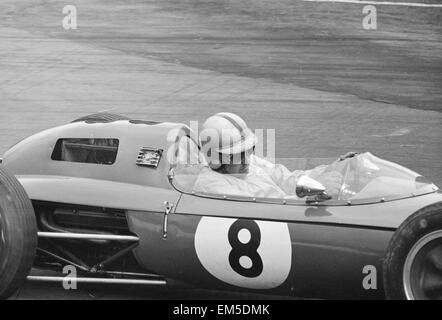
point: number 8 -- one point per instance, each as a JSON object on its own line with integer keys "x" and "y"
{"x": 248, "y": 249}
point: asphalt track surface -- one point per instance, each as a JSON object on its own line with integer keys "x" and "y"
{"x": 306, "y": 69}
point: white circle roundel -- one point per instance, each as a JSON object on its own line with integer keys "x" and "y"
{"x": 245, "y": 253}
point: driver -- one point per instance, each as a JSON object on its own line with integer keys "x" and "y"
{"x": 235, "y": 169}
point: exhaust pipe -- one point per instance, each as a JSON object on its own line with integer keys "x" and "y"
{"x": 86, "y": 236}
{"x": 98, "y": 280}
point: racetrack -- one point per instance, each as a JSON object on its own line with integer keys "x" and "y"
{"x": 307, "y": 69}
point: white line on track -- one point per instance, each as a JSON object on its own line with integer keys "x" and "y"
{"x": 385, "y": 3}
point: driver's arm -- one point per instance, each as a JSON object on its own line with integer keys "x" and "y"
{"x": 287, "y": 179}
{"x": 284, "y": 178}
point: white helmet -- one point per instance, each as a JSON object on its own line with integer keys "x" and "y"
{"x": 234, "y": 137}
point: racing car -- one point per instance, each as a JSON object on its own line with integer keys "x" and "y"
{"x": 105, "y": 194}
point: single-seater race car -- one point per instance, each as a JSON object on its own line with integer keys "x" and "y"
{"x": 102, "y": 195}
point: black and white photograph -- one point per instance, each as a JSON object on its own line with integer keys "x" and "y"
{"x": 220, "y": 155}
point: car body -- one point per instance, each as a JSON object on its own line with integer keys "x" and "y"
{"x": 322, "y": 249}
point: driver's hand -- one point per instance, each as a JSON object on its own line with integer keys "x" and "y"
{"x": 332, "y": 182}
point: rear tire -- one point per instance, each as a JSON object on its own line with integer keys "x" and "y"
{"x": 18, "y": 234}
{"x": 101, "y": 117}
{"x": 413, "y": 265}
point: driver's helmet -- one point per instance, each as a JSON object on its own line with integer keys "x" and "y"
{"x": 232, "y": 134}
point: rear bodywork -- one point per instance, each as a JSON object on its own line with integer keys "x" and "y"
{"x": 314, "y": 250}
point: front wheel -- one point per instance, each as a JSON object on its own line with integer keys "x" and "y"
{"x": 413, "y": 264}
{"x": 18, "y": 234}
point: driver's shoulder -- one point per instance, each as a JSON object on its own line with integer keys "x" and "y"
{"x": 261, "y": 162}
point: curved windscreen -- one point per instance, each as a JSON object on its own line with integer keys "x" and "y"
{"x": 363, "y": 177}
{"x": 366, "y": 176}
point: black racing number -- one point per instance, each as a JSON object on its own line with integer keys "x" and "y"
{"x": 248, "y": 249}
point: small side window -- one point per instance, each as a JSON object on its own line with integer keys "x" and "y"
{"x": 98, "y": 151}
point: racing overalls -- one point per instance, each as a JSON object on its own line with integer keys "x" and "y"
{"x": 264, "y": 179}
